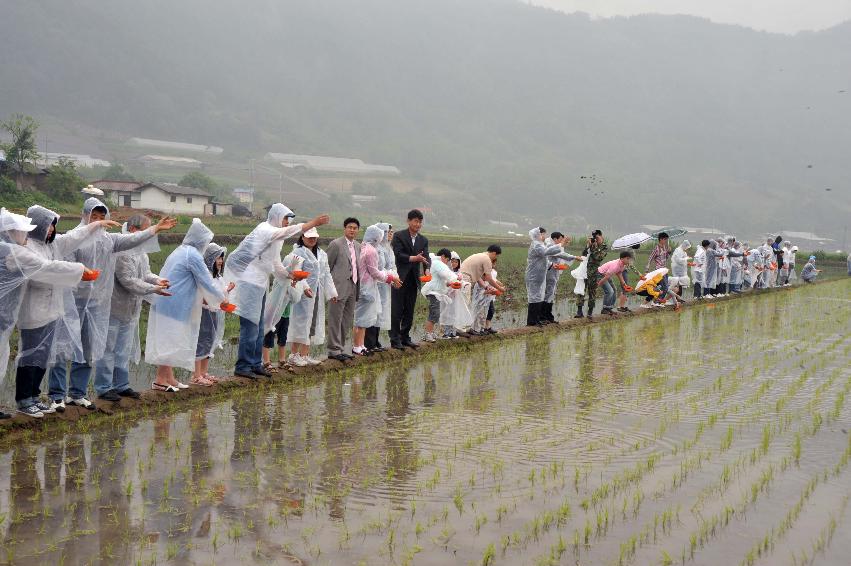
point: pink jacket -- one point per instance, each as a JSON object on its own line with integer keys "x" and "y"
{"x": 368, "y": 266}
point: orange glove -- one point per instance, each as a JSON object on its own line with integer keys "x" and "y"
{"x": 90, "y": 274}
{"x": 227, "y": 307}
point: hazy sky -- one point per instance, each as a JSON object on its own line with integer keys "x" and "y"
{"x": 782, "y": 16}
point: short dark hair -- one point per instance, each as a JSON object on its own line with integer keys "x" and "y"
{"x": 597, "y": 232}
{"x": 100, "y": 208}
{"x": 626, "y": 253}
{"x": 556, "y": 235}
{"x": 351, "y": 220}
{"x": 444, "y": 252}
{"x": 704, "y": 243}
{"x": 415, "y": 213}
{"x": 494, "y": 248}
{"x": 662, "y": 236}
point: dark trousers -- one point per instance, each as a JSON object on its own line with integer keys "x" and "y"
{"x": 403, "y": 301}
{"x": 533, "y": 314}
{"x": 698, "y": 289}
{"x": 371, "y": 340}
{"x": 34, "y": 344}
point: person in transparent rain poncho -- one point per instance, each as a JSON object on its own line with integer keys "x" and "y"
{"x": 386, "y": 262}
{"x": 457, "y": 316}
{"x": 212, "y": 328}
{"x": 679, "y": 278}
{"x": 538, "y": 259}
{"x": 368, "y": 306}
{"x": 307, "y": 314}
{"x": 174, "y": 322}
{"x": 737, "y": 269}
{"x": 436, "y": 291}
{"x": 555, "y": 269}
{"x": 45, "y": 303}
{"x": 809, "y": 272}
{"x": 92, "y": 302}
{"x": 698, "y": 266}
{"x": 711, "y": 273}
{"x": 133, "y": 282}
{"x": 20, "y": 266}
{"x": 250, "y": 265}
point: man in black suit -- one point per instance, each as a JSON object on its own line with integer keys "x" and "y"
{"x": 411, "y": 251}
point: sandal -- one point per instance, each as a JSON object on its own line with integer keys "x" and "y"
{"x": 201, "y": 380}
{"x": 212, "y": 378}
{"x": 270, "y": 367}
{"x": 165, "y": 388}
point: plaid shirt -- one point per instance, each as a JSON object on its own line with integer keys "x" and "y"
{"x": 659, "y": 255}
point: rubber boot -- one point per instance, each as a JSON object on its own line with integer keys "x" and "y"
{"x": 579, "y": 312}
{"x": 591, "y": 305}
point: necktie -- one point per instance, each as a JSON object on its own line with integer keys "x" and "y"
{"x": 354, "y": 262}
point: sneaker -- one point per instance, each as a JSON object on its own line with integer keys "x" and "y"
{"x": 31, "y": 411}
{"x": 4, "y": 416}
{"x": 57, "y": 406}
{"x": 490, "y": 331}
{"x": 81, "y": 402}
{"x": 297, "y": 361}
{"x": 646, "y": 306}
{"x": 446, "y": 337}
{"x": 429, "y": 337}
{"x": 624, "y": 309}
{"x": 110, "y": 395}
{"x": 311, "y": 361}
{"x": 609, "y": 312}
{"x": 45, "y": 408}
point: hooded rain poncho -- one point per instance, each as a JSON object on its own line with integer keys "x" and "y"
{"x": 322, "y": 285}
{"x": 174, "y": 321}
{"x": 537, "y": 262}
{"x": 92, "y": 299}
{"x": 368, "y": 306}
{"x": 19, "y": 266}
{"x": 256, "y": 258}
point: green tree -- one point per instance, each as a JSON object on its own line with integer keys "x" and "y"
{"x": 22, "y": 149}
{"x": 116, "y": 172}
{"x": 63, "y": 181}
{"x": 198, "y": 180}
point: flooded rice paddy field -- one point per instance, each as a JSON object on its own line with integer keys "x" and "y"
{"x": 716, "y": 436}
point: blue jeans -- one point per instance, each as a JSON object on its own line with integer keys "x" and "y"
{"x": 58, "y": 382}
{"x": 608, "y": 294}
{"x": 112, "y": 371}
{"x": 250, "y": 352}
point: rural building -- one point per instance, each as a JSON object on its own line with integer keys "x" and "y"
{"x": 162, "y": 197}
{"x": 176, "y": 146}
{"x": 80, "y": 160}
{"x": 244, "y": 194}
{"x": 214, "y": 208}
{"x": 323, "y": 164}
{"x": 169, "y": 161}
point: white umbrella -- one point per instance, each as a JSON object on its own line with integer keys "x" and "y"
{"x": 630, "y": 240}
{"x": 649, "y": 277}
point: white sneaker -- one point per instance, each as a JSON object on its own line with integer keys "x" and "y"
{"x": 646, "y": 306}
{"x": 311, "y": 361}
{"x": 291, "y": 359}
{"x": 81, "y": 402}
{"x": 429, "y": 337}
{"x": 298, "y": 361}
{"x": 58, "y": 406}
{"x": 46, "y": 408}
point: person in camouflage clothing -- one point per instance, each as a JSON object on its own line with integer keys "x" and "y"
{"x": 596, "y": 251}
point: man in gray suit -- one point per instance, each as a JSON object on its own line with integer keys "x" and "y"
{"x": 343, "y": 255}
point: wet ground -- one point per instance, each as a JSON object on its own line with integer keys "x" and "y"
{"x": 715, "y": 436}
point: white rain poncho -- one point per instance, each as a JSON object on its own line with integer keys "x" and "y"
{"x": 457, "y": 314}
{"x": 174, "y": 321}
{"x": 581, "y": 276}
{"x": 45, "y": 302}
{"x": 368, "y": 307}
{"x": 283, "y": 294}
{"x": 711, "y": 275}
{"x": 553, "y": 275}
{"x": 699, "y": 263}
{"x": 386, "y": 263}
{"x": 724, "y": 267}
{"x": 92, "y": 300}
{"x": 679, "y": 266}
{"x": 537, "y": 262}
{"x": 19, "y": 266}
{"x": 736, "y": 256}
{"x": 211, "y": 336}
{"x": 441, "y": 276}
{"x": 322, "y": 286}
{"x": 256, "y": 258}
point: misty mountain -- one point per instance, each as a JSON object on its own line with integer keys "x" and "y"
{"x": 681, "y": 120}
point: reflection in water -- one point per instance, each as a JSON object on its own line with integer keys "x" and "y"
{"x": 437, "y": 462}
